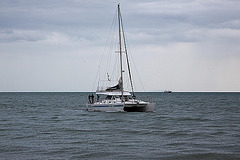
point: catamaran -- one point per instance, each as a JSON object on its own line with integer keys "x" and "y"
{"x": 116, "y": 98}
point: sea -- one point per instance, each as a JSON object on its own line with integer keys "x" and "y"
{"x": 56, "y": 125}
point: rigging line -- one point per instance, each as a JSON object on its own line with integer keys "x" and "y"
{"x": 114, "y": 68}
{"x": 132, "y": 60}
{"x": 137, "y": 73}
{"x": 99, "y": 66}
{"x": 111, "y": 66}
{"x": 125, "y": 46}
{"x": 111, "y": 44}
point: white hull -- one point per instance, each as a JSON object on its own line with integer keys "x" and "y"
{"x": 105, "y": 108}
{"x": 123, "y": 107}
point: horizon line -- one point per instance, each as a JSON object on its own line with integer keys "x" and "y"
{"x": 130, "y": 92}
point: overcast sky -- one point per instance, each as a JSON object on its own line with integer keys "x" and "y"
{"x": 184, "y": 45}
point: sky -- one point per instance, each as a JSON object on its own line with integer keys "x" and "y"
{"x": 184, "y": 45}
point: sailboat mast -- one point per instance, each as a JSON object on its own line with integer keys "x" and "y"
{"x": 120, "y": 47}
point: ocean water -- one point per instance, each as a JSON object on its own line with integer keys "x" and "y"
{"x": 57, "y": 126}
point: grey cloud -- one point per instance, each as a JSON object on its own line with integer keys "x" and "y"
{"x": 50, "y": 14}
{"x": 175, "y": 15}
{"x": 160, "y": 21}
{"x": 9, "y": 36}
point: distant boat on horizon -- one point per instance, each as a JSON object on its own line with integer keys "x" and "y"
{"x": 167, "y": 91}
